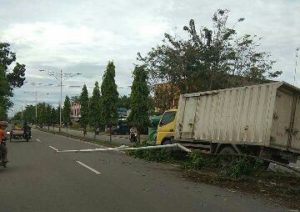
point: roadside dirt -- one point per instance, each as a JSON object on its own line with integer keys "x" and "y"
{"x": 279, "y": 188}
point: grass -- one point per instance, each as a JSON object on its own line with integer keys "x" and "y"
{"x": 233, "y": 167}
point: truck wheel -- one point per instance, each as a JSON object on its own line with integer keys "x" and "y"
{"x": 227, "y": 150}
{"x": 227, "y": 157}
{"x": 167, "y": 141}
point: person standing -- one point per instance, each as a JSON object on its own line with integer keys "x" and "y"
{"x": 3, "y": 148}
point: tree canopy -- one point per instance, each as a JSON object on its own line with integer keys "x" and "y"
{"x": 109, "y": 97}
{"x": 209, "y": 58}
{"x": 67, "y": 111}
{"x": 139, "y": 99}
{"x": 95, "y": 108}
{"x": 84, "y": 110}
{"x": 124, "y": 101}
{"x": 9, "y": 79}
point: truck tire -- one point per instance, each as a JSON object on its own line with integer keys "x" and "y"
{"x": 227, "y": 157}
{"x": 166, "y": 141}
{"x": 227, "y": 150}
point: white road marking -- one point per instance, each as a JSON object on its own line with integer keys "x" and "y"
{"x": 86, "y": 166}
{"x": 53, "y": 148}
{"x": 38, "y": 140}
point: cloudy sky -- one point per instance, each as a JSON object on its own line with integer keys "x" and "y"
{"x": 83, "y": 35}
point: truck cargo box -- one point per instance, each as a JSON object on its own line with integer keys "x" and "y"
{"x": 265, "y": 115}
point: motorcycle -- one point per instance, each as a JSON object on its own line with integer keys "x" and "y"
{"x": 133, "y": 136}
{"x": 20, "y": 134}
{"x": 27, "y": 135}
{"x": 2, "y": 148}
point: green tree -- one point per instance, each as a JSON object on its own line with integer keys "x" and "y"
{"x": 17, "y": 117}
{"x": 67, "y": 111}
{"x": 75, "y": 99}
{"x": 53, "y": 117}
{"x": 209, "y": 58}
{"x": 109, "y": 97}
{"x": 29, "y": 114}
{"x": 42, "y": 114}
{"x": 124, "y": 101}
{"x": 95, "y": 108}
{"x": 84, "y": 110}
{"x": 57, "y": 112}
{"x": 9, "y": 79}
{"x": 139, "y": 100}
{"x": 48, "y": 115}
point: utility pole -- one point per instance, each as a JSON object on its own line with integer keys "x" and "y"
{"x": 296, "y": 64}
{"x": 36, "y": 101}
{"x": 61, "y": 76}
{"x": 36, "y": 105}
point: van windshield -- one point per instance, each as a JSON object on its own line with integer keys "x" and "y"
{"x": 168, "y": 117}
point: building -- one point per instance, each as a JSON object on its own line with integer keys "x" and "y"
{"x": 75, "y": 111}
{"x": 166, "y": 96}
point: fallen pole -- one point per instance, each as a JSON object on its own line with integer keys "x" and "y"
{"x": 125, "y": 148}
{"x": 176, "y": 145}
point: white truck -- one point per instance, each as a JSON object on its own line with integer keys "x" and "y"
{"x": 262, "y": 120}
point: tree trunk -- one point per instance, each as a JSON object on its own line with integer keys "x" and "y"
{"x": 110, "y": 134}
{"x": 84, "y": 131}
{"x": 139, "y": 137}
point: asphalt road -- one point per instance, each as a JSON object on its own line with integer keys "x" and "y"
{"x": 39, "y": 179}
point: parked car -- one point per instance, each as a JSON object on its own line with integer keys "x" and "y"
{"x": 121, "y": 128}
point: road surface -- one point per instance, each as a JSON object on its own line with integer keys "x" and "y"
{"x": 38, "y": 179}
{"x": 116, "y": 139}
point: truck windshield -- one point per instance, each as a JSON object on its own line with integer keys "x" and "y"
{"x": 168, "y": 117}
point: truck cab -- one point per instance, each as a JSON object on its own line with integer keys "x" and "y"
{"x": 166, "y": 127}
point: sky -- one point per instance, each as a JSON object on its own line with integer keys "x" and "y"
{"x": 81, "y": 36}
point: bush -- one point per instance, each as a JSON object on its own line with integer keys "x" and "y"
{"x": 195, "y": 161}
{"x": 229, "y": 166}
{"x": 158, "y": 155}
{"x": 242, "y": 166}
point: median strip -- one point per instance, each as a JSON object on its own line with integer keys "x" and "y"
{"x": 89, "y": 168}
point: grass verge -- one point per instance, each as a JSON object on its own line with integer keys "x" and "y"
{"x": 237, "y": 173}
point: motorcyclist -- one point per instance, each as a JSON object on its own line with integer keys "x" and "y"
{"x": 133, "y": 134}
{"x": 3, "y": 148}
{"x": 27, "y": 129}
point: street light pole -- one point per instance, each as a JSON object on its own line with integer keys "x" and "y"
{"x": 36, "y": 107}
{"x": 296, "y": 63}
{"x": 61, "y": 76}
